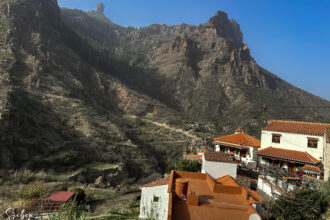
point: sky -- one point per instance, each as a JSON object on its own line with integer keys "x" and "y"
{"x": 289, "y": 38}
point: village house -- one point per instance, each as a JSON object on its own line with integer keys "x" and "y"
{"x": 239, "y": 144}
{"x": 293, "y": 146}
{"x": 188, "y": 195}
{"x": 216, "y": 164}
{"x": 154, "y": 200}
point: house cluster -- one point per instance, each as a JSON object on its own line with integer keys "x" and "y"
{"x": 297, "y": 149}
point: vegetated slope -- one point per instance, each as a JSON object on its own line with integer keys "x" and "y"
{"x": 204, "y": 71}
{"x": 58, "y": 112}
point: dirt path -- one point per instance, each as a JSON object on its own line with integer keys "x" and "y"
{"x": 164, "y": 125}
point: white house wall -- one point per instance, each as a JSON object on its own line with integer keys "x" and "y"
{"x": 296, "y": 142}
{"x": 268, "y": 189}
{"x": 327, "y": 162}
{"x": 219, "y": 169}
{"x": 154, "y": 210}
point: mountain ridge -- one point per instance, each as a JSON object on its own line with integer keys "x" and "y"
{"x": 77, "y": 88}
{"x": 60, "y": 113}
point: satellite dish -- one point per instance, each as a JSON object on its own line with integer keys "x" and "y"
{"x": 254, "y": 217}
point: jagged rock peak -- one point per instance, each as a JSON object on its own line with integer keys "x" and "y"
{"x": 100, "y": 8}
{"x": 226, "y": 28}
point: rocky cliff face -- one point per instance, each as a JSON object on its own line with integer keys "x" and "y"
{"x": 58, "y": 112}
{"x": 205, "y": 71}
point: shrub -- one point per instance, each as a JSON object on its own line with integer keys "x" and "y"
{"x": 303, "y": 203}
{"x": 69, "y": 211}
{"x": 33, "y": 190}
{"x": 80, "y": 195}
{"x": 26, "y": 176}
{"x": 189, "y": 165}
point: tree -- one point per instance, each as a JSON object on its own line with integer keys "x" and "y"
{"x": 189, "y": 165}
{"x": 100, "y": 7}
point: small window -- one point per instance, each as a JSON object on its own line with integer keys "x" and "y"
{"x": 156, "y": 199}
{"x": 276, "y": 138}
{"x": 312, "y": 142}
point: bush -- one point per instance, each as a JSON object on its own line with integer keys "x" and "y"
{"x": 26, "y": 176}
{"x": 303, "y": 203}
{"x": 33, "y": 190}
{"x": 189, "y": 165}
{"x": 80, "y": 195}
{"x": 69, "y": 211}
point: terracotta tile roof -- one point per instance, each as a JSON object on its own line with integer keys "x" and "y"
{"x": 239, "y": 130}
{"x": 241, "y": 139}
{"x": 60, "y": 196}
{"x": 219, "y": 157}
{"x": 227, "y": 181}
{"x": 312, "y": 168}
{"x": 297, "y": 127}
{"x": 291, "y": 155}
{"x": 160, "y": 182}
{"x": 230, "y": 181}
{"x": 223, "y": 198}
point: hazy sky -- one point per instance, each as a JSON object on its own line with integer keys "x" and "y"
{"x": 289, "y": 38}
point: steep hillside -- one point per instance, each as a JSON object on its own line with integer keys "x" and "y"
{"x": 205, "y": 71}
{"x": 77, "y": 88}
{"x": 58, "y": 112}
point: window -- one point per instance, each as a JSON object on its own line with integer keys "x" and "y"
{"x": 276, "y": 138}
{"x": 312, "y": 142}
{"x": 156, "y": 199}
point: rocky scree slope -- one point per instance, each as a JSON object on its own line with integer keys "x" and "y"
{"x": 58, "y": 112}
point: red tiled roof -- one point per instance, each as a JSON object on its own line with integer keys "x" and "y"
{"x": 219, "y": 157}
{"x": 285, "y": 154}
{"x": 230, "y": 181}
{"x": 242, "y": 139}
{"x": 60, "y": 196}
{"x": 312, "y": 168}
{"x": 223, "y": 198}
{"x": 159, "y": 182}
{"x": 239, "y": 130}
{"x": 297, "y": 127}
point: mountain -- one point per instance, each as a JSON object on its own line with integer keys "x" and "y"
{"x": 77, "y": 88}
{"x": 204, "y": 71}
{"x": 59, "y": 112}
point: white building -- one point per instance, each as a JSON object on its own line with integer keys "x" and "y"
{"x": 294, "y": 146}
{"x": 239, "y": 144}
{"x": 154, "y": 200}
{"x": 269, "y": 188}
{"x": 218, "y": 164}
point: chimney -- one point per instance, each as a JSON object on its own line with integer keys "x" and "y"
{"x": 181, "y": 188}
{"x": 192, "y": 199}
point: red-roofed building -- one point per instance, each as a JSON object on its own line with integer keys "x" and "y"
{"x": 61, "y": 196}
{"x": 240, "y": 144}
{"x": 51, "y": 203}
{"x": 293, "y": 145}
{"x": 198, "y": 196}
